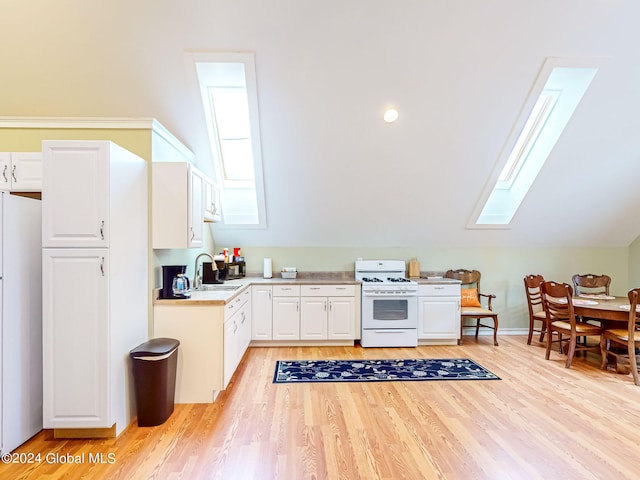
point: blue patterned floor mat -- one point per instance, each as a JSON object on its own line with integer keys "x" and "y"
{"x": 295, "y": 371}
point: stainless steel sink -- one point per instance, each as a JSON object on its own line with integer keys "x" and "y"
{"x": 217, "y": 287}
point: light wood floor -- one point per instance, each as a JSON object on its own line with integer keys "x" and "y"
{"x": 541, "y": 421}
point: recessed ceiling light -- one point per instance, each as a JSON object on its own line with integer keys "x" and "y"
{"x": 390, "y": 115}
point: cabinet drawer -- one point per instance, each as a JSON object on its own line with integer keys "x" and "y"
{"x": 328, "y": 290}
{"x": 237, "y": 302}
{"x": 439, "y": 290}
{"x": 286, "y": 290}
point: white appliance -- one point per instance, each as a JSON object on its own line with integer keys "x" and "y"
{"x": 389, "y": 304}
{"x": 95, "y": 282}
{"x": 20, "y": 319}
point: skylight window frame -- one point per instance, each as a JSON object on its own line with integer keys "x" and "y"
{"x": 485, "y": 215}
{"x": 236, "y": 195}
{"x": 217, "y": 145}
{"x": 527, "y": 139}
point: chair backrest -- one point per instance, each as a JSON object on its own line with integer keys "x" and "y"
{"x": 634, "y": 316}
{"x": 557, "y": 302}
{"x": 590, "y": 283}
{"x": 532, "y": 287}
{"x": 468, "y": 278}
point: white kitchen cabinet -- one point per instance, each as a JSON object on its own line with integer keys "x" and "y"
{"x": 327, "y": 312}
{"x": 177, "y": 199}
{"x": 313, "y": 318}
{"x": 212, "y": 205}
{"x": 95, "y": 282}
{"x": 21, "y": 171}
{"x": 76, "y": 338}
{"x": 341, "y": 319}
{"x": 286, "y": 312}
{"x": 439, "y": 314}
{"x": 261, "y": 312}
{"x": 237, "y": 333}
{"x": 76, "y": 180}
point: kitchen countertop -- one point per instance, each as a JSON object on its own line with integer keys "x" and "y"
{"x": 221, "y": 298}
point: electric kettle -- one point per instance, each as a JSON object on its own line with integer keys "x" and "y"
{"x": 181, "y": 286}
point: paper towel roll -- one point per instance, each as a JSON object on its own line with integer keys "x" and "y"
{"x": 268, "y": 268}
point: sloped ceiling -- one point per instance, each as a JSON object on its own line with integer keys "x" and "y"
{"x": 335, "y": 174}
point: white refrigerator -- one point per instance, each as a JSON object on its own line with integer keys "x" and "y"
{"x": 20, "y": 320}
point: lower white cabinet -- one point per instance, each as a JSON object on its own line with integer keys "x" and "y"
{"x": 237, "y": 333}
{"x": 439, "y": 314}
{"x": 213, "y": 340}
{"x": 286, "y": 312}
{"x": 313, "y": 312}
{"x": 76, "y": 333}
{"x": 340, "y": 320}
{"x": 328, "y": 312}
{"x": 261, "y": 312}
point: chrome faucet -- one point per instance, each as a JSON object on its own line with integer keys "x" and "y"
{"x": 197, "y": 278}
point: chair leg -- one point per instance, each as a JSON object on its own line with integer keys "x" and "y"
{"x": 495, "y": 331}
{"x": 633, "y": 362}
{"x": 543, "y": 330}
{"x": 477, "y": 328}
{"x": 603, "y": 352}
{"x": 530, "y": 330}
{"x": 572, "y": 351}
{"x": 549, "y": 337}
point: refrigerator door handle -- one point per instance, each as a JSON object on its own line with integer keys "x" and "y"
{"x": 102, "y": 230}
{"x": 102, "y": 265}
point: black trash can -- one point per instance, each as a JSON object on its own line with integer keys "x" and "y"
{"x": 154, "y": 375}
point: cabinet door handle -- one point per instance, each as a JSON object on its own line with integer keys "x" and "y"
{"x": 330, "y": 306}
{"x": 193, "y": 234}
{"x": 4, "y": 173}
{"x": 341, "y": 288}
{"x": 102, "y": 230}
{"x": 244, "y": 317}
{"x": 314, "y": 288}
{"x": 325, "y": 306}
{"x": 297, "y": 306}
{"x": 13, "y": 173}
{"x": 102, "y": 265}
{"x": 269, "y": 294}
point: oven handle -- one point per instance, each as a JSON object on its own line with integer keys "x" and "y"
{"x": 390, "y": 330}
{"x": 390, "y": 296}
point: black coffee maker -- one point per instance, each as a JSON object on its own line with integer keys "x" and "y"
{"x": 169, "y": 273}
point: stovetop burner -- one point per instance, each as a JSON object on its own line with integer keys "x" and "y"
{"x": 398, "y": 279}
{"x": 371, "y": 279}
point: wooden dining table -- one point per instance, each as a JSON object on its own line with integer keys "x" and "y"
{"x": 607, "y": 310}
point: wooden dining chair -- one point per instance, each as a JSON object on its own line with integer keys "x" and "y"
{"x": 471, "y": 302}
{"x": 532, "y": 288}
{"x": 589, "y": 283}
{"x": 612, "y": 340}
{"x": 557, "y": 299}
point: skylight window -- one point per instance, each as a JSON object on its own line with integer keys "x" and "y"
{"x": 228, "y": 92}
{"x": 559, "y": 88}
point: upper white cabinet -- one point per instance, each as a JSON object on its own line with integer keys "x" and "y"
{"x": 212, "y": 210}
{"x": 21, "y": 172}
{"x": 76, "y": 179}
{"x": 177, "y": 205}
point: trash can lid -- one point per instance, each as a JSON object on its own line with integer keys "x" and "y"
{"x": 155, "y": 347}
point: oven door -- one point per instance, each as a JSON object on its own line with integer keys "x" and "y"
{"x": 389, "y": 311}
